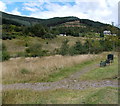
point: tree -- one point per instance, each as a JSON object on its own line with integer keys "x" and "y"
{"x": 86, "y": 47}
{"x": 38, "y": 30}
{"x": 77, "y": 48}
{"x": 64, "y": 50}
{"x": 101, "y": 35}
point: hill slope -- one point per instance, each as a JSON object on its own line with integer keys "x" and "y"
{"x": 27, "y": 21}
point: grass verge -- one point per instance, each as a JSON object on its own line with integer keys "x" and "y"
{"x": 46, "y": 69}
{"x": 65, "y": 72}
{"x": 106, "y": 95}
{"x": 101, "y": 73}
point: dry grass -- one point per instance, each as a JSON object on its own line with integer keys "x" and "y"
{"x": 18, "y": 45}
{"x": 38, "y": 67}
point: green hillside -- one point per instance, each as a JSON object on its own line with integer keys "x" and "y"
{"x": 28, "y": 21}
{"x": 90, "y": 26}
{"x": 21, "y": 32}
{"x": 22, "y": 20}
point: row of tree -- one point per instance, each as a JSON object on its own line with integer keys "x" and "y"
{"x": 90, "y": 46}
{"x": 12, "y": 31}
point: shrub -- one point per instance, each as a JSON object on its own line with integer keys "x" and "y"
{"x": 6, "y": 36}
{"x": 24, "y": 71}
{"x": 26, "y": 44}
{"x": 20, "y": 54}
{"x": 5, "y": 54}
{"x": 64, "y": 50}
{"x": 78, "y": 48}
{"x": 48, "y": 36}
{"x": 35, "y": 50}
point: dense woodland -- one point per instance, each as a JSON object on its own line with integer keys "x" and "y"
{"x": 16, "y": 26}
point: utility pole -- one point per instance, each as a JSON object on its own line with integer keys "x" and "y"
{"x": 113, "y": 39}
{"x": 112, "y": 23}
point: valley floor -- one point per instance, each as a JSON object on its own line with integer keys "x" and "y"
{"x": 89, "y": 84}
{"x": 72, "y": 82}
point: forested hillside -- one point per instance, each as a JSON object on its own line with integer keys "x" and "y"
{"x": 25, "y": 25}
{"x": 22, "y": 28}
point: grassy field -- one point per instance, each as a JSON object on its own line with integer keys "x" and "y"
{"x": 106, "y": 95}
{"x": 51, "y": 68}
{"x": 102, "y": 73}
{"x": 17, "y": 46}
{"x": 55, "y": 68}
{"x": 19, "y": 71}
{"x": 37, "y": 69}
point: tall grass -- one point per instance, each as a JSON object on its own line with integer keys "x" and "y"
{"x": 39, "y": 68}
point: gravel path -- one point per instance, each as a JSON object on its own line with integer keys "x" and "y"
{"x": 71, "y": 82}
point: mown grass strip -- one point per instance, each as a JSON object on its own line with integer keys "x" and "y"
{"x": 65, "y": 72}
{"x": 101, "y": 73}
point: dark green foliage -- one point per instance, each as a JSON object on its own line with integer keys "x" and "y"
{"x": 64, "y": 50}
{"x": 86, "y": 47}
{"x": 6, "y": 36}
{"x": 15, "y": 26}
{"x": 35, "y": 50}
{"x": 108, "y": 45}
{"x": 76, "y": 49}
{"x": 5, "y": 54}
{"x": 27, "y": 31}
{"x": 38, "y": 30}
{"x": 48, "y": 36}
{"x": 27, "y": 21}
{"x": 90, "y": 46}
{"x": 10, "y": 32}
{"x": 26, "y": 44}
{"x": 27, "y": 26}
{"x": 9, "y": 21}
{"x": 101, "y": 34}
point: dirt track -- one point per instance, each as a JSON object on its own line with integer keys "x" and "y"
{"x": 72, "y": 82}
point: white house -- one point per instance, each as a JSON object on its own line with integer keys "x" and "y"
{"x": 62, "y": 34}
{"x": 107, "y": 32}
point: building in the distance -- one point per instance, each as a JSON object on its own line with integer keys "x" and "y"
{"x": 107, "y": 32}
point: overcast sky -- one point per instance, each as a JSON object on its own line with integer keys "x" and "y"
{"x": 105, "y": 11}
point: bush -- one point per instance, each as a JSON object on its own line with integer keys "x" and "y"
{"x": 35, "y": 50}
{"x": 78, "y": 47}
{"x": 26, "y": 44}
{"x": 5, "y": 54}
{"x": 64, "y": 50}
{"x": 48, "y": 36}
{"x": 6, "y": 36}
{"x": 24, "y": 71}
